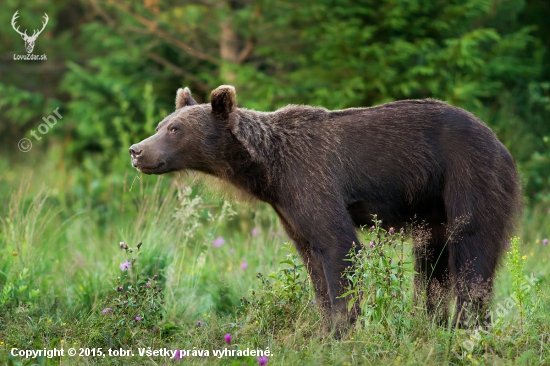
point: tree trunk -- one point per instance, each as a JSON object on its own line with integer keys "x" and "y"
{"x": 229, "y": 49}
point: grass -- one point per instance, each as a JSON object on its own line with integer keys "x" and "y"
{"x": 60, "y": 277}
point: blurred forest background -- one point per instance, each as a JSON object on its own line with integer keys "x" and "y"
{"x": 113, "y": 68}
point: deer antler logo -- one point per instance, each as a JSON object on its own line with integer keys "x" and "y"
{"x": 29, "y": 40}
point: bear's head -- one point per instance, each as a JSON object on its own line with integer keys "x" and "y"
{"x": 192, "y": 137}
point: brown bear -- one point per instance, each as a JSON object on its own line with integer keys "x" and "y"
{"x": 326, "y": 172}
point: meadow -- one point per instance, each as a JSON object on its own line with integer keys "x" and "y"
{"x": 127, "y": 269}
{"x": 168, "y": 263}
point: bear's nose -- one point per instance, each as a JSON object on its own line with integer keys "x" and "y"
{"x": 135, "y": 151}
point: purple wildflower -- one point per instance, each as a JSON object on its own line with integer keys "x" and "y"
{"x": 371, "y": 245}
{"x": 391, "y": 231}
{"x": 244, "y": 265}
{"x": 262, "y": 360}
{"x": 148, "y": 284}
{"x": 227, "y": 338}
{"x": 545, "y": 241}
{"x": 138, "y": 319}
{"x": 125, "y": 302}
{"x": 255, "y": 231}
{"x": 313, "y": 302}
{"x": 199, "y": 324}
{"x": 125, "y": 266}
{"x": 393, "y": 294}
{"x": 391, "y": 260}
{"x": 106, "y": 310}
{"x": 178, "y": 355}
{"x": 231, "y": 251}
{"x": 120, "y": 288}
{"x": 122, "y": 245}
{"x": 218, "y": 242}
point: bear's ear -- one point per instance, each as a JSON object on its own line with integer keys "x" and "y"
{"x": 223, "y": 100}
{"x": 183, "y": 98}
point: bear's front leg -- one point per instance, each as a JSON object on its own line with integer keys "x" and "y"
{"x": 313, "y": 265}
{"x": 331, "y": 234}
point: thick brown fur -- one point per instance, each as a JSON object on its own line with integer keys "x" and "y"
{"x": 325, "y": 172}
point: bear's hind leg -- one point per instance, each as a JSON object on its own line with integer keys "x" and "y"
{"x": 473, "y": 262}
{"x": 431, "y": 264}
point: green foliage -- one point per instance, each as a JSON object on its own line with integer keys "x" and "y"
{"x": 135, "y": 304}
{"x": 113, "y": 69}
{"x": 74, "y": 264}
{"x": 121, "y": 65}
{"x": 372, "y": 52}
{"x": 16, "y": 292}
{"x": 520, "y": 286}
{"x": 378, "y": 279}
{"x": 516, "y": 266}
{"x": 282, "y": 301}
{"x": 20, "y": 105}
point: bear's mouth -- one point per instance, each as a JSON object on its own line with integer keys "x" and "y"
{"x": 149, "y": 170}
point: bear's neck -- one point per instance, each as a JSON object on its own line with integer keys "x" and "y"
{"x": 234, "y": 165}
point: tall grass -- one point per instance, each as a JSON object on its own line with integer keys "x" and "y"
{"x": 60, "y": 270}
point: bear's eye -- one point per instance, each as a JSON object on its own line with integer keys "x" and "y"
{"x": 173, "y": 130}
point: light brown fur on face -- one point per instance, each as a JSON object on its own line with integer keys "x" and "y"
{"x": 325, "y": 172}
